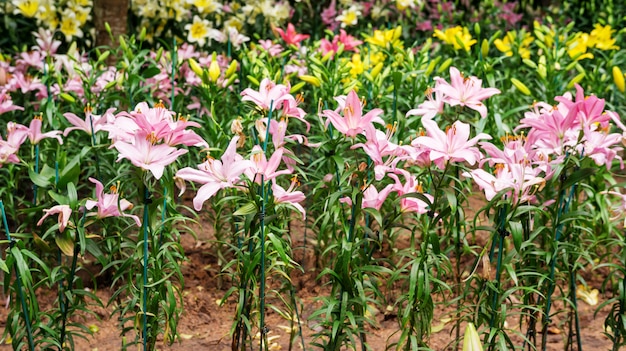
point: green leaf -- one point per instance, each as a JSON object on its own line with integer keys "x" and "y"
{"x": 517, "y": 232}
{"x": 578, "y": 176}
{"x": 72, "y": 194}
{"x": 150, "y": 72}
{"x": 38, "y": 179}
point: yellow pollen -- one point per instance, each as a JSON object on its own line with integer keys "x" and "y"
{"x": 159, "y": 104}
{"x": 257, "y": 157}
{"x": 88, "y": 108}
{"x": 429, "y": 91}
{"x": 299, "y": 98}
{"x": 418, "y": 188}
{"x": 499, "y": 167}
{"x": 152, "y": 138}
{"x": 39, "y": 117}
{"x": 295, "y": 180}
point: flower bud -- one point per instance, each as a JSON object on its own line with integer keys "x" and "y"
{"x": 294, "y": 89}
{"x": 618, "y": 78}
{"x": 520, "y": 86}
{"x": 444, "y": 66}
{"x": 195, "y": 67}
{"x": 311, "y": 80}
{"x": 232, "y": 68}
{"x": 376, "y": 70}
{"x": 575, "y": 80}
{"x": 484, "y": 48}
{"x": 214, "y": 71}
{"x": 471, "y": 340}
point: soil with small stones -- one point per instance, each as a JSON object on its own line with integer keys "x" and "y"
{"x": 204, "y": 325}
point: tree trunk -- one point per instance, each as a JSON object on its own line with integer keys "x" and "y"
{"x": 113, "y": 12}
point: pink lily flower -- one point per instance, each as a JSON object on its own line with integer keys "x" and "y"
{"x": 353, "y": 121}
{"x": 6, "y": 104}
{"x": 431, "y": 107}
{"x": 64, "y": 212}
{"x": 374, "y": 199}
{"x": 289, "y": 196}
{"x": 453, "y": 145}
{"x": 520, "y": 178}
{"x": 271, "y": 48}
{"x": 16, "y": 135}
{"x": 410, "y": 204}
{"x": 216, "y": 174}
{"x": 107, "y": 204}
{"x": 264, "y": 167}
{"x": 148, "y": 155}
{"x": 35, "y": 135}
{"x": 465, "y": 91}
{"x": 268, "y": 92}
{"x": 97, "y": 121}
{"x": 290, "y": 36}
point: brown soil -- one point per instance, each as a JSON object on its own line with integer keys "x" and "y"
{"x": 205, "y": 325}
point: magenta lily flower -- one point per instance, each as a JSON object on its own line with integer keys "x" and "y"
{"x": 64, "y": 212}
{"x": 453, "y": 145}
{"x": 144, "y": 153}
{"x": 465, "y": 91}
{"x": 353, "y": 121}
{"x": 290, "y": 36}
{"x": 216, "y": 174}
{"x": 109, "y": 205}
{"x": 35, "y": 135}
{"x": 289, "y": 196}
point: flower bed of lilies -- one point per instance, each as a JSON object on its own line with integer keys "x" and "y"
{"x": 363, "y": 137}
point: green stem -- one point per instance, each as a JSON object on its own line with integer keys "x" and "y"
{"x": 262, "y": 238}
{"x": 146, "y": 197}
{"x": 174, "y": 63}
{"x": 18, "y": 279}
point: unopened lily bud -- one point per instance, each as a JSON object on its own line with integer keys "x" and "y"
{"x": 484, "y": 48}
{"x": 477, "y": 28}
{"x": 232, "y": 68}
{"x": 471, "y": 340}
{"x": 296, "y": 88}
{"x": 253, "y": 80}
{"x": 520, "y": 86}
{"x": 123, "y": 43}
{"x": 67, "y": 97}
{"x": 618, "y": 78}
{"x": 328, "y": 56}
{"x": 310, "y": 79}
{"x": 142, "y": 35}
{"x": 340, "y": 49}
{"x": 444, "y": 66}
{"x": 159, "y": 54}
{"x": 575, "y": 80}
{"x": 376, "y": 70}
{"x": 104, "y": 56}
{"x": 214, "y": 71}
{"x": 195, "y": 67}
